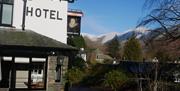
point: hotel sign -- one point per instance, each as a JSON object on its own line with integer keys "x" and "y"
{"x": 47, "y": 17}
{"x": 45, "y": 13}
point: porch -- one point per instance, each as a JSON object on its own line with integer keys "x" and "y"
{"x": 32, "y": 62}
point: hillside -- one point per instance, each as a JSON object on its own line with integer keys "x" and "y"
{"x": 152, "y": 41}
{"x": 102, "y": 39}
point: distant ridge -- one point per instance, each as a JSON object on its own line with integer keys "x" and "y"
{"x": 139, "y": 32}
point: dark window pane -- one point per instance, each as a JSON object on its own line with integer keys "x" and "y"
{"x": 7, "y": 14}
{"x": 35, "y": 70}
{"x": 39, "y": 71}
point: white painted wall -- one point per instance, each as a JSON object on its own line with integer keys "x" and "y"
{"x": 53, "y": 28}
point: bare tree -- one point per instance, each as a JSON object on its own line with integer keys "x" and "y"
{"x": 166, "y": 16}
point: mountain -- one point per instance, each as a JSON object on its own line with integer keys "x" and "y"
{"x": 90, "y": 36}
{"x": 104, "y": 38}
{"x": 154, "y": 42}
{"x": 138, "y": 32}
{"x": 101, "y": 38}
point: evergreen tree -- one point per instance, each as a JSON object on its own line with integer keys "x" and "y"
{"x": 113, "y": 48}
{"x": 132, "y": 50}
{"x": 76, "y": 41}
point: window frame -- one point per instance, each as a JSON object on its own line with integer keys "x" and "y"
{"x": 3, "y": 2}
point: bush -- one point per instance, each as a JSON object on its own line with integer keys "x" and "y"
{"x": 115, "y": 79}
{"x": 74, "y": 76}
{"x": 79, "y": 63}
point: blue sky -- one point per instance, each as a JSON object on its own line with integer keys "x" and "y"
{"x": 104, "y": 16}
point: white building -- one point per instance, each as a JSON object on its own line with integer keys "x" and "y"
{"x": 33, "y": 51}
{"x": 47, "y": 17}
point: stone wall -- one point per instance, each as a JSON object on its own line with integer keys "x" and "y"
{"x": 51, "y": 84}
{"x": 51, "y": 73}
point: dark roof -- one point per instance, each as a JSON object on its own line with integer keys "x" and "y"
{"x": 28, "y": 38}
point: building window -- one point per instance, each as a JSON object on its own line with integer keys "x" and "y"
{"x": 6, "y": 11}
{"x": 30, "y": 73}
{"x": 38, "y": 73}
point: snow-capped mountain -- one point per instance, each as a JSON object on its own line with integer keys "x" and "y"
{"x": 90, "y": 36}
{"x": 139, "y": 32}
{"x": 108, "y": 37}
{"x": 101, "y": 38}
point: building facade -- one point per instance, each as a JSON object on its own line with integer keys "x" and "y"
{"x": 33, "y": 51}
{"x": 47, "y": 17}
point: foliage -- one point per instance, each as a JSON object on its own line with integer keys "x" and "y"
{"x": 74, "y": 76}
{"x": 162, "y": 56}
{"x": 163, "y": 50}
{"x": 108, "y": 61}
{"x": 90, "y": 55}
{"x": 95, "y": 75}
{"x": 93, "y": 62}
{"x": 113, "y": 48}
{"x": 115, "y": 79}
{"x": 77, "y": 41}
{"x": 107, "y": 76}
{"x": 132, "y": 50}
{"x": 79, "y": 63}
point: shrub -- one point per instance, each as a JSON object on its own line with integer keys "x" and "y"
{"x": 74, "y": 76}
{"x": 79, "y": 63}
{"x": 115, "y": 79}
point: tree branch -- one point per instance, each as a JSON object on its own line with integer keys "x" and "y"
{"x": 164, "y": 27}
